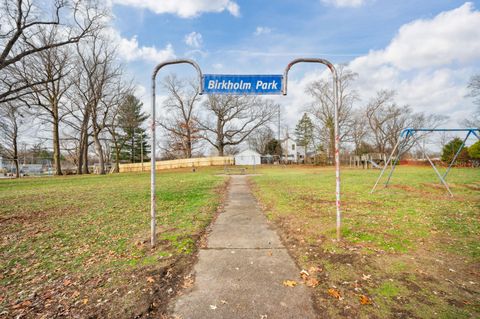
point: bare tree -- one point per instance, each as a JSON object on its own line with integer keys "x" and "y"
{"x": 23, "y": 21}
{"x": 387, "y": 120}
{"x": 359, "y": 130}
{"x": 180, "y": 122}
{"x": 51, "y": 68}
{"x": 98, "y": 75}
{"x": 474, "y": 87}
{"x": 323, "y": 109}
{"x": 260, "y": 138}
{"x": 231, "y": 119}
{"x": 11, "y": 127}
{"x": 114, "y": 122}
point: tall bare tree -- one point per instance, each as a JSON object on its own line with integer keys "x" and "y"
{"x": 99, "y": 73}
{"x": 387, "y": 120}
{"x": 114, "y": 122}
{"x": 23, "y": 21}
{"x": 359, "y": 130}
{"x": 51, "y": 68}
{"x": 260, "y": 138}
{"x": 180, "y": 122}
{"x": 231, "y": 119}
{"x": 12, "y": 126}
{"x": 323, "y": 109}
{"x": 474, "y": 87}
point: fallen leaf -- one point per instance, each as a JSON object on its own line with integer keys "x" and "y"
{"x": 85, "y": 301}
{"x": 150, "y": 280}
{"x": 270, "y": 253}
{"x": 75, "y": 294}
{"x": 366, "y": 277}
{"x": 289, "y": 283}
{"x": 314, "y": 269}
{"x": 334, "y": 293}
{"x": 67, "y": 282}
{"x": 304, "y": 274}
{"x": 364, "y": 300}
{"x": 213, "y": 307}
{"x": 312, "y": 282}
{"x": 23, "y": 304}
{"x": 224, "y": 302}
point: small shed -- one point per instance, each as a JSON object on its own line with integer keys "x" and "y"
{"x": 248, "y": 157}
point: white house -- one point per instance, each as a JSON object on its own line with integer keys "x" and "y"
{"x": 289, "y": 149}
{"x": 247, "y": 157}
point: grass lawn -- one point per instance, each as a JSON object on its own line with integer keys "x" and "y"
{"x": 79, "y": 245}
{"x": 409, "y": 251}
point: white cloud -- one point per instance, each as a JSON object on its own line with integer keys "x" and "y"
{"x": 262, "y": 30}
{"x": 130, "y": 50}
{"x": 345, "y": 3}
{"x": 194, "y": 39}
{"x": 428, "y": 63}
{"x": 452, "y": 36}
{"x": 184, "y": 8}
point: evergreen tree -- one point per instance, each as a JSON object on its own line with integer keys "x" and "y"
{"x": 451, "y": 148}
{"x": 273, "y": 147}
{"x": 131, "y": 119}
{"x": 304, "y": 132}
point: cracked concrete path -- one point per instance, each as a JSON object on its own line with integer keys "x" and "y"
{"x": 240, "y": 273}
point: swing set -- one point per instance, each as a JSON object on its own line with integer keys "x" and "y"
{"x": 410, "y": 134}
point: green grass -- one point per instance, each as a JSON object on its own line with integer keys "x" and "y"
{"x": 83, "y": 227}
{"x": 411, "y": 238}
{"x": 392, "y": 219}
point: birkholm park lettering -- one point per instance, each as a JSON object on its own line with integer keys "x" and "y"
{"x": 242, "y": 84}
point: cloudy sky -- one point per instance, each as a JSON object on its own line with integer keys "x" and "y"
{"x": 425, "y": 50}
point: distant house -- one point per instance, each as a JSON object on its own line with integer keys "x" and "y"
{"x": 248, "y": 157}
{"x": 289, "y": 150}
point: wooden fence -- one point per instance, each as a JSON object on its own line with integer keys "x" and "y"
{"x": 179, "y": 163}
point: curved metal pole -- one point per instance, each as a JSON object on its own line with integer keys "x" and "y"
{"x": 336, "y": 128}
{"x": 153, "y": 237}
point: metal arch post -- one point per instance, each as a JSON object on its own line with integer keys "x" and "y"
{"x": 456, "y": 155}
{"x": 153, "y": 237}
{"x": 336, "y": 127}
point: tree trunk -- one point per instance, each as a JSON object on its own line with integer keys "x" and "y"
{"x": 82, "y": 166}
{"x": 80, "y": 156}
{"x": 56, "y": 146}
{"x": 15, "y": 155}
{"x": 117, "y": 159}
{"x": 132, "y": 153}
{"x": 99, "y": 151}
{"x": 220, "y": 148}
{"x": 85, "y": 155}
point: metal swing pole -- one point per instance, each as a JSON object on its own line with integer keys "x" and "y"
{"x": 473, "y": 132}
{"x": 456, "y": 155}
{"x": 332, "y": 69}
{"x": 401, "y": 151}
{"x": 386, "y": 164}
{"x": 433, "y": 165}
{"x": 153, "y": 236}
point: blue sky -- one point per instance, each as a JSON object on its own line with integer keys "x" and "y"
{"x": 425, "y": 50}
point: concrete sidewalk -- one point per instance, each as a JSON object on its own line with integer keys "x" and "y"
{"x": 240, "y": 273}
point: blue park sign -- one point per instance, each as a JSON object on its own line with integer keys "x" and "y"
{"x": 242, "y": 84}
